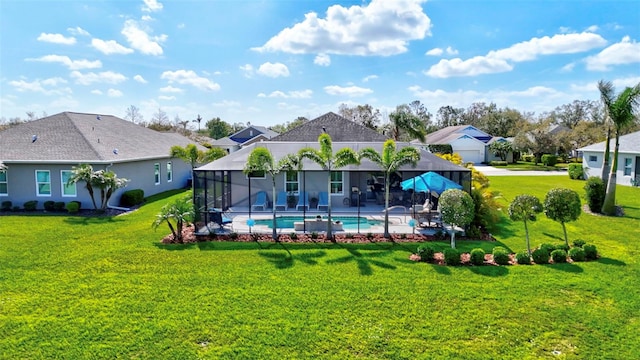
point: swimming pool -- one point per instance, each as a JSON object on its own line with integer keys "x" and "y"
{"x": 348, "y": 222}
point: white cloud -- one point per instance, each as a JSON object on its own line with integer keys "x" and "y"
{"x": 568, "y": 68}
{"x": 227, "y": 104}
{"x": 96, "y": 92}
{"x": 110, "y": 47}
{"x": 247, "y": 70}
{"x": 71, "y": 64}
{"x": 592, "y": 28}
{"x": 108, "y": 77}
{"x": 171, "y": 89}
{"x": 381, "y": 27}
{"x": 301, "y": 94}
{"x": 618, "y": 83}
{"x": 626, "y": 51}
{"x": 351, "y": 91}
{"x": 181, "y": 26}
{"x": 146, "y": 18}
{"x": 57, "y": 39}
{"x": 54, "y": 81}
{"x": 451, "y": 51}
{"x": 151, "y": 6}
{"x": 78, "y": 31}
{"x": 189, "y": 77}
{"x": 435, "y": 52}
{"x": 499, "y": 60}
{"x": 273, "y": 70}
{"x": 322, "y": 60}
{"x": 165, "y": 97}
{"x": 40, "y": 86}
{"x": 140, "y": 79}
{"x": 140, "y": 40}
{"x": 370, "y": 77}
{"x": 114, "y": 93}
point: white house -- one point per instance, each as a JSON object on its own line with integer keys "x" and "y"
{"x": 628, "y": 158}
{"x": 468, "y": 141}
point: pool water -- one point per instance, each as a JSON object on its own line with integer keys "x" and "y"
{"x": 348, "y": 222}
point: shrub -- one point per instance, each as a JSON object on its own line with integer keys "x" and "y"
{"x": 31, "y": 205}
{"x": 73, "y": 207}
{"x": 314, "y": 235}
{"x": 547, "y": 247}
{"x": 477, "y": 256}
{"x": 590, "y": 252}
{"x": 426, "y": 252}
{"x": 293, "y": 236}
{"x": 559, "y": 256}
{"x": 528, "y": 158}
{"x": 549, "y": 160}
{"x": 577, "y": 254}
{"x": 58, "y": 206}
{"x": 473, "y": 232}
{"x": 132, "y": 197}
{"x": 579, "y": 243}
{"x": 576, "y": 171}
{"x": 498, "y": 163}
{"x": 523, "y": 258}
{"x": 349, "y": 235}
{"x": 441, "y": 148}
{"x": 452, "y": 257}
{"x": 15, "y": 208}
{"x": 564, "y": 247}
{"x": 233, "y": 236}
{"x": 6, "y": 205}
{"x": 500, "y": 255}
{"x": 595, "y": 191}
{"x": 370, "y": 235}
{"x": 540, "y": 256}
{"x": 49, "y": 205}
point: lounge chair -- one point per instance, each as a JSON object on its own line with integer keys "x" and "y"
{"x": 303, "y": 201}
{"x": 261, "y": 201}
{"x": 281, "y": 201}
{"x": 323, "y": 201}
{"x": 217, "y": 217}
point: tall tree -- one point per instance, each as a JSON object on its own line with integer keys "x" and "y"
{"x": 449, "y": 116}
{"x": 218, "y": 128}
{"x": 571, "y": 114}
{"x": 389, "y": 161}
{"x": 160, "y": 121}
{"x": 621, "y": 110}
{"x": 261, "y": 160}
{"x": 283, "y": 128}
{"x": 536, "y": 138}
{"x": 405, "y": 125}
{"x": 192, "y": 155}
{"x": 364, "y": 115}
{"x": 133, "y": 114}
{"x": 329, "y": 161}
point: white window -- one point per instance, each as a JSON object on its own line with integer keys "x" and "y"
{"x": 169, "y": 172}
{"x": 156, "y": 173}
{"x": 67, "y": 189}
{"x": 336, "y": 182}
{"x": 291, "y": 182}
{"x": 593, "y": 158}
{"x": 627, "y": 166}
{"x": 43, "y": 183}
{"x": 4, "y": 184}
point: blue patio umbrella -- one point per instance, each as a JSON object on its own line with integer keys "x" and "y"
{"x": 429, "y": 182}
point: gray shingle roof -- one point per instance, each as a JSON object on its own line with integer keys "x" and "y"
{"x": 339, "y": 128}
{"x": 71, "y": 137}
{"x": 629, "y": 143}
{"x": 238, "y": 159}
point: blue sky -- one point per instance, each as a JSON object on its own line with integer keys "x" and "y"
{"x": 268, "y": 62}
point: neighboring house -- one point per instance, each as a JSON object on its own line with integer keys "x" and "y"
{"x": 40, "y": 155}
{"x": 628, "y": 158}
{"x": 222, "y": 183}
{"x": 468, "y": 141}
{"x": 244, "y": 137}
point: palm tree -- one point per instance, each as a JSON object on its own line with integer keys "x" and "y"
{"x": 606, "y": 93}
{"x": 620, "y": 110}
{"x": 181, "y": 211}
{"x": 389, "y": 160}
{"x": 261, "y": 160}
{"x": 107, "y": 182}
{"x": 404, "y": 121}
{"x": 84, "y": 172}
{"x": 192, "y": 155}
{"x": 329, "y": 161}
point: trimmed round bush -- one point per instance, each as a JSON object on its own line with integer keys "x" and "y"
{"x": 49, "y": 205}
{"x": 590, "y": 252}
{"x": 452, "y": 257}
{"x": 595, "y": 191}
{"x": 477, "y": 256}
{"x": 523, "y": 258}
{"x": 73, "y": 207}
{"x": 426, "y": 252}
{"x": 576, "y": 171}
{"x": 579, "y": 243}
{"x": 31, "y": 205}
{"x": 500, "y": 255}
{"x": 549, "y": 160}
{"x": 564, "y": 247}
{"x": 547, "y": 247}
{"x": 577, "y": 254}
{"x": 58, "y": 206}
{"x": 540, "y": 256}
{"x": 559, "y": 256}
{"x": 132, "y": 197}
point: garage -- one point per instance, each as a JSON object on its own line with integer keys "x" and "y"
{"x": 474, "y": 156}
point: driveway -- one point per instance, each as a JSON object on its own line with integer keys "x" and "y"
{"x": 496, "y": 171}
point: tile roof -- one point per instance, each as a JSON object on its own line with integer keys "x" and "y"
{"x": 238, "y": 159}
{"x": 339, "y": 128}
{"x": 71, "y": 137}
{"x": 629, "y": 143}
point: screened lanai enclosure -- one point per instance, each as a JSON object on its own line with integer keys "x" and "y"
{"x": 354, "y": 190}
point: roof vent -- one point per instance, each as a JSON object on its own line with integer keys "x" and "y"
{"x": 98, "y": 117}
{"x": 115, "y": 151}
{"x": 34, "y": 138}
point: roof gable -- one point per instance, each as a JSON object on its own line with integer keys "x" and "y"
{"x": 629, "y": 143}
{"x": 339, "y": 128}
{"x": 445, "y": 135}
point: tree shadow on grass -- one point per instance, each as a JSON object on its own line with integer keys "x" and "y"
{"x": 175, "y": 247}
{"x": 610, "y": 261}
{"x": 441, "y": 269}
{"x": 364, "y": 261}
{"x": 556, "y": 237}
{"x": 287, "y": 260}
{"x": 91, "y": 220}
{"x": 566, "y": 267}
{"x": 487, "y": 270}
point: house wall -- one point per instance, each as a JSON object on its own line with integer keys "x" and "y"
{"x": 21, "y": 180}
{"x": 593, "y": 167}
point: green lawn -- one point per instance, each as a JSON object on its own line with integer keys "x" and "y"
{"x": 104, "y": 288}
{"x": 524, "y": 165}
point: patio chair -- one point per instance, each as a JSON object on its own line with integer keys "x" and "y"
{"x": 217, "y": 217}
{"x": 303, "y": 201}
{"x": 281, "y": 201}
{"x": 323, "y": 201}
{"x": 261, "y": 201}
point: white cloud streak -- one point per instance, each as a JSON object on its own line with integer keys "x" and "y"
{"x": 108, "y": 77}
{"x": 627, "y": 51}
{"x": 110, "y": 47}
{"x": 140, "y": 40}
{"x": 273, "y": 70}
{"x": 350, "y": 91}
{"x": 71, "y": 64}
{"x": 56, "y": 39}
{"x": 189, "y": 77}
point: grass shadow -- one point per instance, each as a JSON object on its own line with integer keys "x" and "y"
{"x": 175, "y": 247}
{"x": 441, "y": 269}
{"x": 91, "y": 220}
{"x": 487, "y": 270}
{"x": 287, "y": 260}
{"x": 610, "y": 261}
{"x": 363, "y": 261}
{"x": 567, "y": 267}
{"x": 555, "y": 237}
